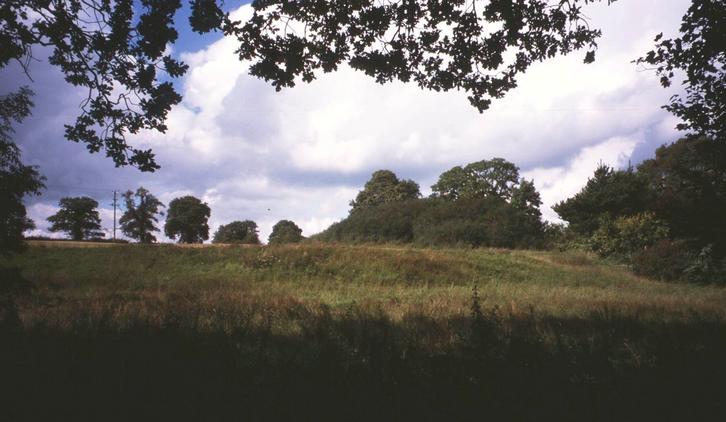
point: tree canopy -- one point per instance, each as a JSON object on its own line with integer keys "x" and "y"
{"x": 16, "y": 179}
{"x": 139, "y": 220}
{"x": 237, "y": 232}
{"x": 609, "y": 193}
{"x": 187, "y": 219}
{"x": 700, "y": 54}
{"x": 496, "y": 177}
{"x": 285, "y": 231}
{"x": 384, "y": 187}
{"x": 117, "y": 51}
{"x": 78, "y": 216}
{"x": 688, "y": 184}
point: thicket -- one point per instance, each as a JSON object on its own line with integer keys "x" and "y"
{"x": 667, "y": 218}
{"x": 484, "y": 203}
{"x": 476, "y": 222}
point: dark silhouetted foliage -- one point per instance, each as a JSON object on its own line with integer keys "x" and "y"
{"x": 117, "y": 51}
{"x": 440, "y": 45}
{"x": 665, "y": 260}
{"x": 78, "y": 217}
{"x": 700, "y": 53}
{"x": 139, "y": 220}
{"x": 688, "y": 181}
{"x": 187, "y": 219}
{"x": 384, "y": 187}
{"x": 16, "y": 179}
{"x": 285, "y": 231}
{"x": 237, "y": 232}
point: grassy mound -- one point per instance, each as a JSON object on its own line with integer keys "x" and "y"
{"x": 353, "y": 332}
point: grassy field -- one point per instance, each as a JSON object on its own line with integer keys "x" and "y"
{"x": 354, "y": 332}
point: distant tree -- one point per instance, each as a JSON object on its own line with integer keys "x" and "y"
{"x": 382, "y": 188}
{"x": 608, "y": 194}
{"x": 237, "y": 232}
{"x": 285, "y": 231}
{"x": 526, "y": 198}
{"x": 16, "y": 179}
{"x": 688, "y": 181}
{"x": 78, "y": 217}
{"x": 496, "y": 177}
{"x": 187, "y": 219}
{"x": 139, "y": 220}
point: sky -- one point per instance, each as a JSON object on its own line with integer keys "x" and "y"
{"x": 303, "y": 153}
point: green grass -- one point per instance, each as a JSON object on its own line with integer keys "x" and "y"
{"x": 335, "y": 332}
{"x": 397, "y": 280}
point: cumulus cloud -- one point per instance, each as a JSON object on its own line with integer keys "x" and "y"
{"x": 302, "y": 154}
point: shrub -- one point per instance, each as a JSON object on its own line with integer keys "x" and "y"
{"x": 665, "y": 260}
{"x": 705, "y": 267}
{"x": 475, "y": 222}
{"x": 628, "y": 236}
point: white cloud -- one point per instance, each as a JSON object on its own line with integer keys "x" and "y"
{"x": 302, "y": 154}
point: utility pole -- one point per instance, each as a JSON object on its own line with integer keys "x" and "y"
{"x": 114, "y": 215}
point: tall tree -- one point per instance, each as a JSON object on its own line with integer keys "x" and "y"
{"x": 139, "y": 220}
{"x": 237, "y": 232}
{"x": 16, "y": 179}
{"x": 187, "y": 219}
{"x": 607, "y": 195}
{"x": 384, "y": 187}
{"x": 496, "y": 177}
{"x": 688, "y": 181}
{"x": 78, "y": 216}
{"x": 285, "y": 231}
{"x": 526, "y": 199}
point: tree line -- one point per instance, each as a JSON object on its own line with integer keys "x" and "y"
{"x": 484, "y": 203}
{"x": 666, "y": 218}
{"x": 186, "y": 221}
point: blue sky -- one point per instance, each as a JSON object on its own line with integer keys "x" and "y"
{"x": 303, "y": 153}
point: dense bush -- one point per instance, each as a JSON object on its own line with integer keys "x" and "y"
{"x": 485, "y": 221}
{"x": 665, "y": 260}
{"x": 625, "y": 237}
{"x": 237, "y": 232}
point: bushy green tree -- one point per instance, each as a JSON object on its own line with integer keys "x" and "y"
{"x": 78, "y": 216}
{"x": 187, "y": 219}
{"x": 237, "y": 232}
{"x": 139, "y": 220}
{"x": 474, "y": 222}
{"x": 688, "y": 181}
{"x": 382, "y": 188}
{"x": 627, "y": 236}
{"x": 608, "y": 194}
{"x": 16, "y": 179}
{"x": 285, "y": 231}
{"x": 496, "y": 177}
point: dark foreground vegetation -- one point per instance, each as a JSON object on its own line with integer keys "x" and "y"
{"x": 319, "y": 332}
